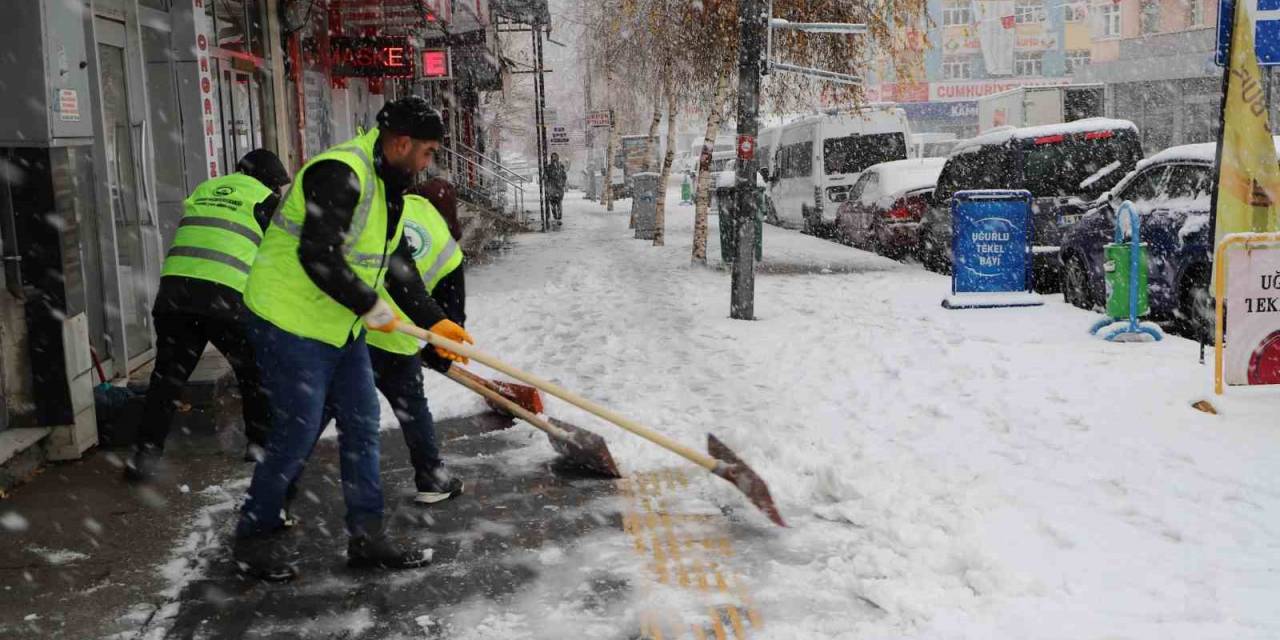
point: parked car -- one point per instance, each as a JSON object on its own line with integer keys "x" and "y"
{"x": 886, "y": 204}
{"x": 818, "y": 158}
{"x": 1171, "y": 191}
{"x": 1064, "y": 166}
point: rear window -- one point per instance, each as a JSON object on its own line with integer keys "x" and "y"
{"x": 977, "y": 168}
{"x": 1083, "y": 164}
{"x": 852, "y": 154}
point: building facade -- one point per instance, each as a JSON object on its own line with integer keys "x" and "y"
{"x": 122, "y": 107}
{"x": 1151, "y": 54}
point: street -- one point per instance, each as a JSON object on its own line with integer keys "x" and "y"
{"x": 990, "y": 473}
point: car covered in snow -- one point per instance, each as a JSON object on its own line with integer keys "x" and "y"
{"x": 885, "y": 205}
{"x": 1172, "y": 191}
{"x": 1064, "y": 166}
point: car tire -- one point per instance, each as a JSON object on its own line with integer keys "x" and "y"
{"x": 1196, "y": 308}
{"x": 1075, "y": 283}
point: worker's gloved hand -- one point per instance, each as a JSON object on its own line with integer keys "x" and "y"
{"x": 381, "y": 317}
{"x": 451, "y": 330}
{"x": 434, "y": 361}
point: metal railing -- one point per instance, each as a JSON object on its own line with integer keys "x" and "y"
{"x": 518, "y": 189}
{"x": 498, "y": 165}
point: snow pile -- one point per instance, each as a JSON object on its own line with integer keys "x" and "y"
{"x": 960, "y": 474}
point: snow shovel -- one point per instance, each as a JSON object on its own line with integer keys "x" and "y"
{"x": 722, "y": 462}
{"x": 576, "y": 445}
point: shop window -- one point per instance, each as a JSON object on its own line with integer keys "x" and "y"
{"x": 1028, "y": 63}
{"x": 956, "y": 13}
{"x": 1077, "y": 60}
{"x": 1029, "y": 11}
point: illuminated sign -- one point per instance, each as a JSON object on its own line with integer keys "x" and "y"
{"x": 435, "y": 64}
{"x": 373, "y": 57}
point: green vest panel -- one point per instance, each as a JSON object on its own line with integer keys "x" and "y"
{"x": 218, "y": 237}
{"x": 436, "y": 255}
{"x": 282, "y": 293}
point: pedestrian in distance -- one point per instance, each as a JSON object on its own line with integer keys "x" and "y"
{"x": 336, "y": 240}
{"x": 200, "y": 301}
{"x": 556, "y": 176}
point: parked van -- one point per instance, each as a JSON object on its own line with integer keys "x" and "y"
{"x": 818, "y": 158}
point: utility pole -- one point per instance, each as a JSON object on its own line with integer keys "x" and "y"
{"x": 540, "y": 123}
{"x": 752, "y": 18}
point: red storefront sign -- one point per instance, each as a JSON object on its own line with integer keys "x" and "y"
{"x": 372, "y": 57}
{"x": 435, "y": 64}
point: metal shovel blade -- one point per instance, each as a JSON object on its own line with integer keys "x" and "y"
{"x": 584, "y": 449}
{"x": 733, "y": 469}
{"x": 521, "y": 394}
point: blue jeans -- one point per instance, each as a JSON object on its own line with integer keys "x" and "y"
{"x": 302, "y": 376}
{"x": 399, "y": 378}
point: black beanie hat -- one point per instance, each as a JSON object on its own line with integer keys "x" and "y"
{"x": 265, "y": 167}
{"x": 412, "y": 116}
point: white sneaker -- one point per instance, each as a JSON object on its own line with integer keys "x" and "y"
{"x": 442, "y": 487}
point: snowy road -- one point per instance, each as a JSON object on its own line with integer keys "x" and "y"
{"x": 946, "y": 474}
{"x": 966, "y": 474}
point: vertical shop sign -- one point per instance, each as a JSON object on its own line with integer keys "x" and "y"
{"x": 208, "y": 105}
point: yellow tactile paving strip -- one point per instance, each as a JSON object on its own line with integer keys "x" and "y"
{"x": 687, "y": 551}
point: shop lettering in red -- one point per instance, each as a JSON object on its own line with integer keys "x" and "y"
{"x": 435, "y": 63}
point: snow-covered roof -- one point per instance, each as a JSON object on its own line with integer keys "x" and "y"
{"x": 897, "y": 176}
{"x": 1202, "y": 152}
{"x": 1003, "y": 135}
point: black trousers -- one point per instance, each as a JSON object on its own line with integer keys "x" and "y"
{"x": 180, "y": 340}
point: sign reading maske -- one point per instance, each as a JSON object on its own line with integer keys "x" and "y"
{"x": 1253, "y": 318}
{"x": 373, "y": 57}
{"x": 991, "y": 250}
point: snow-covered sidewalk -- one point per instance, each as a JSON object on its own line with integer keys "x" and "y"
{"x": 957, "y": 474}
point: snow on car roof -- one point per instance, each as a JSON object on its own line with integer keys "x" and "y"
{"x": 1201, "y": 152}
{"x": 897, "y": 176}
{"x": 1003, "y": 135}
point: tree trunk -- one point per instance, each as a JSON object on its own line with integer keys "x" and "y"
{"x": 660, "y": 219}
{"x": 702, "y": 197}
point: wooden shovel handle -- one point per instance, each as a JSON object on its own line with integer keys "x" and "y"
{"x": 474, "y": 383}
{"x": 697, "y": 457}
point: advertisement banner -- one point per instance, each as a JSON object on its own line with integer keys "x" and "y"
{"x": 972, "y": 90}
{"x": 990, "y": 241}
{"x": 1253, "y": 318}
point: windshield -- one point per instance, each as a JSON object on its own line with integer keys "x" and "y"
{"x": 1079, "y": 165}
{"x": 854, "y": 153}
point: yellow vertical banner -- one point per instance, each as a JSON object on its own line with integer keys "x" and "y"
{"x": 1248, "y": 194}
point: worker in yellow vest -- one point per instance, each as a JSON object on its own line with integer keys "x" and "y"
{"x": 334, "y": 242}
{"x": 200, "y": 301}
{"x": 397, "y": 365}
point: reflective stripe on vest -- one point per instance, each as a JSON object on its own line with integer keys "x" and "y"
{"x": 218, "y": 236}
{"x": 436, "y": 255}
{"x": 279, "y": 289}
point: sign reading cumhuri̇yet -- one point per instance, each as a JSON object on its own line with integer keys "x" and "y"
{"x": 1253, "y": 316}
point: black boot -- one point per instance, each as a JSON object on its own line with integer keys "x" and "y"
{"x": 266, "y": 556}
{"x": 143, "y": 464}
{"x": 437, "y": 485}
{"x": 374, "y": 549}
